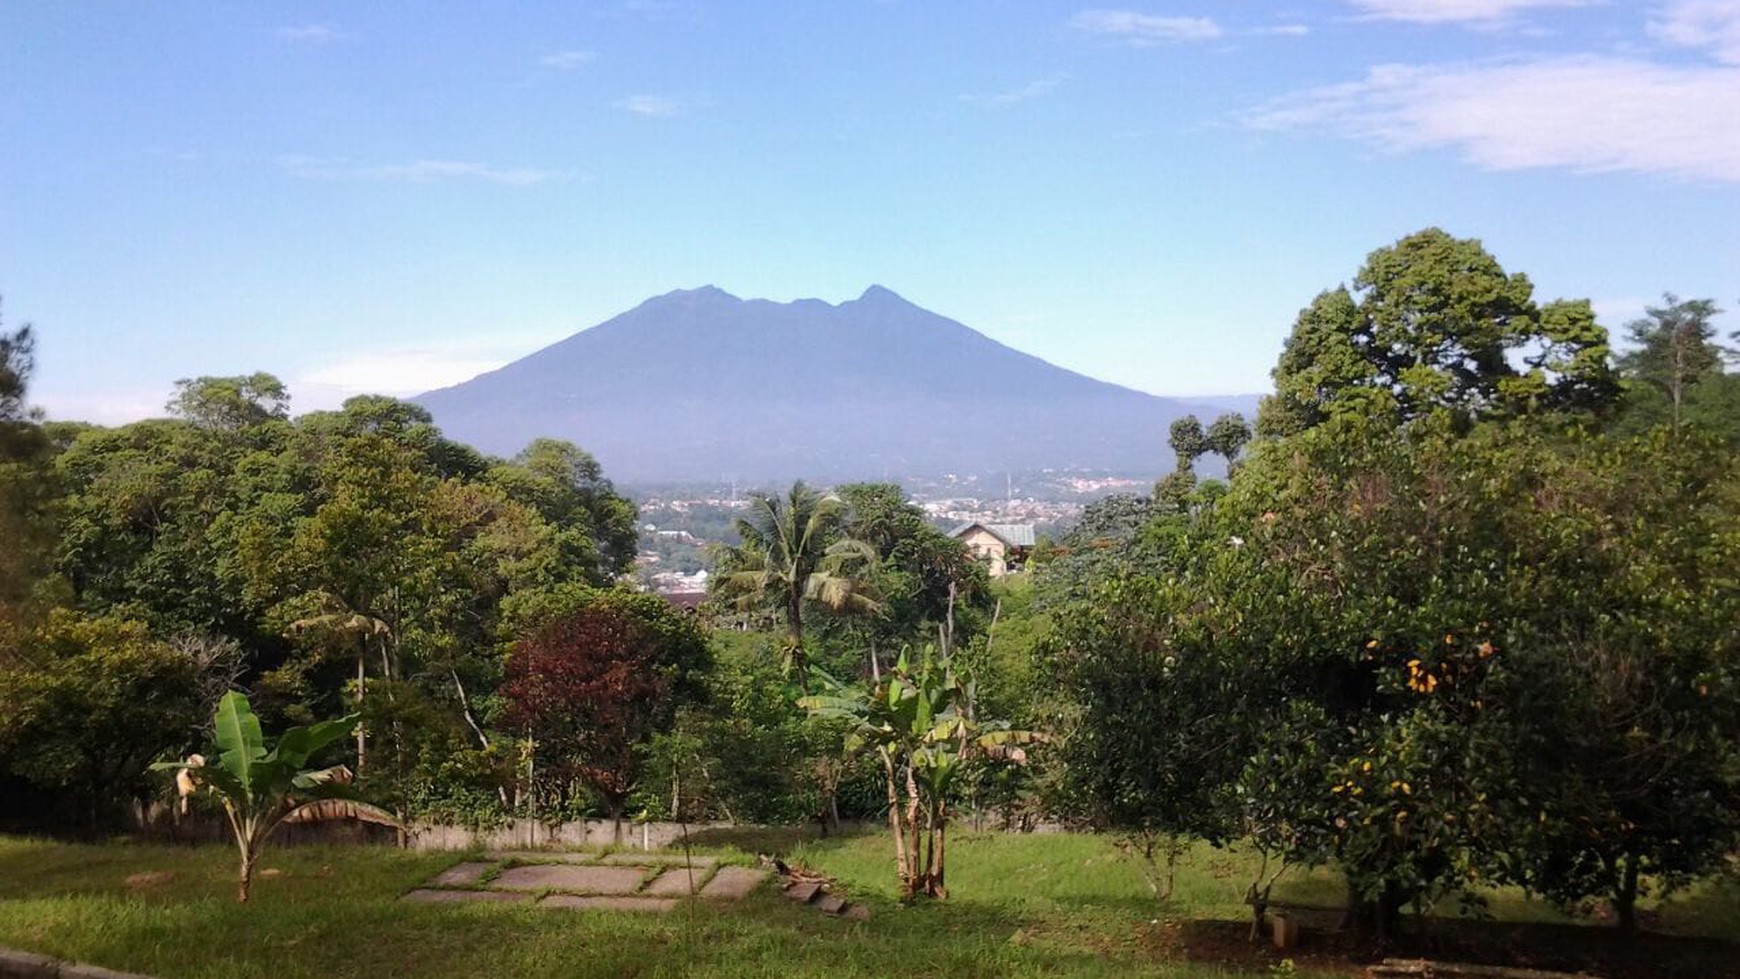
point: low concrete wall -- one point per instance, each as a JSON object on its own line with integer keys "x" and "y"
{"x": 24, "y": 965}
{"x": 529, "y": 834}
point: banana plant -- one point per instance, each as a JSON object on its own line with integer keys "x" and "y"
{"x": 919, "y": 719}
{"x": 263, "y": 787}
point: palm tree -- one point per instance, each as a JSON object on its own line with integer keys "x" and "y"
{"x": 794, "y": 550}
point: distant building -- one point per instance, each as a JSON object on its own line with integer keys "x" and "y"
{"x": 1004, "y": 546}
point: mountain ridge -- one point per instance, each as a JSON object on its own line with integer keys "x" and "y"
{"x": 699, "y": 383}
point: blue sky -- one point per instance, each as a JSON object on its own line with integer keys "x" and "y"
{"x": 396, "y": 196}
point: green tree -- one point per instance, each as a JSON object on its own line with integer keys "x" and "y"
{"x": 919, "y": 720}
{"x": 1188, "y": 442}
{"x": 230, "y": 403}
{"x": 263, "y": 787}
{"x": 1430, "y": 324}
{"x": 1675, "y": 355}
{"x": 90, "y": 703}
{"x": 24, "y": 486}
{"x": 920, "y": 574}
{"x": 793, "y": 551}
{"x": 1630, "y": 717}
{"x": 1227, "y": 437}
{"x": 566, "y": 486}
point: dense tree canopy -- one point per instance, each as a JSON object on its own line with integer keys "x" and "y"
{"x": 1434, "y": 323}
{"x": 1441, "y": 629}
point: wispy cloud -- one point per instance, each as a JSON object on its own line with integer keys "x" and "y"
{"x": 1582, "y": 113}
{"x": 1284, "y": 30}
{"x": 1479, "y": 12}
{"x": 402, "y": 371}
{"x": 1141, "y": 29}
{"x": 650, "y": 105}
{"x": 1032, "y": 90}
{"x": 418, "y": 171}
{"x": 309, "y": 34}
{"x": 566, "y": 60}
{"x": 1711, "y": 24}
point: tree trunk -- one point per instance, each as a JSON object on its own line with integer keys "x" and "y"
{"x": 362, "y": 743}
{"x": 246, "y": 879}
{"x": 902, "y": 869}
{"x": 1625, "y": 898}
{"x": 938, "y": 885}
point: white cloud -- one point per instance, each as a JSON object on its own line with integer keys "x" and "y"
{"x": 1032, "y": 90}
{"x": 401, "y": 372}
{"x": 650, "y": 105}
{"x": 1583, "y": 113}
{"x": 1712, "y": 24}
{"x": 1145, "y": 29}
{"x": 1454, "y": 11}
{"x": 113, "y": 406}
{"x": 1284, "y": 30}
{"x": 418, "y": 171}
{"x": 566, "y": 60}
{"x": 309, "y": 34}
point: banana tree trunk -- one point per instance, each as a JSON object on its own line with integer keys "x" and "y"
{"x": 902, "y": 867}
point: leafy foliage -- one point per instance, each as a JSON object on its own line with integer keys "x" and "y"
{"x": 590, "y": 688}
{"x": 1430, "y": 324}
{"x": 919, "y": 720}
{"x": 263, "y": 787}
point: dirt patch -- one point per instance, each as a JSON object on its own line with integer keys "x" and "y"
{"x": 149, "y": 880}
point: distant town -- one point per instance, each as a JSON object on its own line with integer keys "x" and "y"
{"x": 679, "y": 522}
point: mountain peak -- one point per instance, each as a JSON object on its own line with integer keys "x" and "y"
{"x": 703, "y": 294}
{"x": 881, "y": 294}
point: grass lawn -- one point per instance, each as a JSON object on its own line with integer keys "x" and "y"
{"x": 1063, "y": 905}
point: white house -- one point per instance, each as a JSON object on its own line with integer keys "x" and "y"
{"x": 1004, "y": 545}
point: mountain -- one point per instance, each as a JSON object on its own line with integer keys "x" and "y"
{"x": 698, "y": 384}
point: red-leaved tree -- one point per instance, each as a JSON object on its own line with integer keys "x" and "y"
{"x": 589, "y": 686}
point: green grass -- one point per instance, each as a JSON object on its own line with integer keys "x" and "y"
{"x": 1047, "y": 905}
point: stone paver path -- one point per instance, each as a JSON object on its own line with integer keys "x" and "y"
{"x": 733, "y": 883}
{"x": 462, "y": 875}
{"x": 646, "y": 882}
{"x": 564, "y": 877}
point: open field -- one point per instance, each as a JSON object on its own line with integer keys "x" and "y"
{"x": 1021, "y": 906}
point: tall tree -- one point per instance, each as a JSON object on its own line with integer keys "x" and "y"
{"x": 1675, "y": 353}
{"x": 565, "y": 484}
{"x": 1431, "y": 323}
{"x": 793, "y": 550}
{"x": 1227, "y": 437}
{"x": 590, "y": 687}
{"x": 230, "y": 403}
{"x": 23, "y": 488}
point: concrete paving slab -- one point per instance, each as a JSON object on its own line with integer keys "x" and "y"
{"x": 654, "y": 859}
{"x": 655, "y": 905}
{"x": 566, "y": 877}
{"x": 676, "y": 882}
{"x": 461, "y": 875}
{"x": 733, "y": 883}
{"x": 805, "y": 892}
{"x": 427, "y": 896}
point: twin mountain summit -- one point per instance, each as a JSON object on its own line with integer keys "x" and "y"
{"x": 701, "y": 385}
